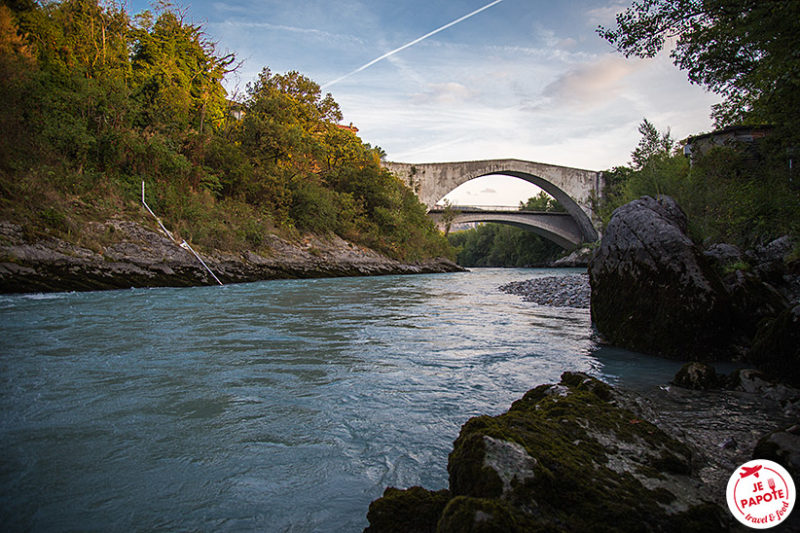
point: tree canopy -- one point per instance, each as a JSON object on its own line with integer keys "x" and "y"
{"x": 96, "y": 101}
{"x": 744, "y": 50}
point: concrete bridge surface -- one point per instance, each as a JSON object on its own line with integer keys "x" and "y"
{"x": 560, "y": 228}
{"x": 575, "y": 189}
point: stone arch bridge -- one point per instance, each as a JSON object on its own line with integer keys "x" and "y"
{"x": 575, "y": 189}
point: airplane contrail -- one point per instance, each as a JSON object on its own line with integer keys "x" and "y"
{"x": 412, "y": 43}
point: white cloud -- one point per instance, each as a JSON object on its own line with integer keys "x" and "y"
{"x": 444, "y": 93}
{"x": 605, "y": 15}
{"x": 591, "y": 84}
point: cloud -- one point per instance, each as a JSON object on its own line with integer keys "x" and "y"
{"x": 590, "y": 84}
{"x": 318, "y": 34}
{"x": 605, "y": 15}
{"x": 444, "y": 93}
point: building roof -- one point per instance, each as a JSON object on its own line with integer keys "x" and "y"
{"x": 762, "y": 129}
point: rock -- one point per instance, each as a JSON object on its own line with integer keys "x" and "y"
{"x": 768, "y": 262}
{"x": 696, "y": 376}
{"x": 476, "y": 515}
{"x": 748, "y": 380}
{"x": 783, "y": 447}
{"x": 752, "y": 300}
{"x": 578, "y": 258}
{"x": 723, "y": 255}
{"x": 653, "y": 290}
{"x": 414, "y": 510}
{"x": 571, "y": 457}
{"x": 776, "y": 348}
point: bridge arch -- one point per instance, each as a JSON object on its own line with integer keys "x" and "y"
{"x": 560, "y": 228}
{"x": 573, "y": 188}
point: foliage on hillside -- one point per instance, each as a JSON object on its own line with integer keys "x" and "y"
{"x": 744, "y": 194}
{"x": 498, "y": 245}
{"x": 96, "y": 101}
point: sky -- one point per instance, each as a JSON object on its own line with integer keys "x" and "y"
{"x": 458, "y": 80}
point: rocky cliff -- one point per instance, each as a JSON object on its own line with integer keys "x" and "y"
{"x": 127, "y": 254}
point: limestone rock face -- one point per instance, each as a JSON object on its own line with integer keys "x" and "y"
{"x": 652, "y": 288}
{"x": 127, "y": 254}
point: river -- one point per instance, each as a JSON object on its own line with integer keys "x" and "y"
{"x": 273, "y": 406}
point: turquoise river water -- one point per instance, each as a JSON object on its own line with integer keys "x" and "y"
{"x": 273, "y": 406}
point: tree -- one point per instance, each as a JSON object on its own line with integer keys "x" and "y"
{"x": 655, "y": 169}
{"x": 652, "y": 144}
{"x": 744, "y": 50}
{"x": 178, "y": 72}
{"x": 542, "y": 202}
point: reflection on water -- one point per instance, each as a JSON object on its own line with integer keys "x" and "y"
{"x": 275, "y": 406}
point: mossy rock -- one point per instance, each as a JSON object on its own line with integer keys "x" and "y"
{"x": 476, "y": 515}
{"x": 565, "y": 457}
{"x": 595, "y": 466}
{"x": 414, "y": 510}
{"x": 653, "y": 291}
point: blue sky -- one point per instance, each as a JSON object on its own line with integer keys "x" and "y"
{"x": 527, "y": 79}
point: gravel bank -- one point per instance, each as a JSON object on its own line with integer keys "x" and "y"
{"x": 557, "y": 291}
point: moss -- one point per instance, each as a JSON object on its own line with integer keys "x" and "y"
{"x": 468, "y": 475}
{"x": 414, "y": 510}
{"x": 744, "y": 266}
{"x": 476, "y": 515}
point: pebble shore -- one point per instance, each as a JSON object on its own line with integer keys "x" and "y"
{"x": 556, "y": 291}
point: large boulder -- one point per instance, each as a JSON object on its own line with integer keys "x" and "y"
{"x": 653, "y": 290}
{"x": 566, "y": 457}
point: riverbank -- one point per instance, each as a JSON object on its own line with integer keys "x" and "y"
{"x": 125, "y": 254}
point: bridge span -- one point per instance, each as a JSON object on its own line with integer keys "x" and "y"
{"x": 560, "y": 228}
{"x": 575, "y": 189}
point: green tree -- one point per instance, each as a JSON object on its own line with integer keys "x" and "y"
{"x": 542, "y": 202}
{"x": 744, "y": 50}
{"x": 178, "y": 72}
{"x": 652, "y": 145}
